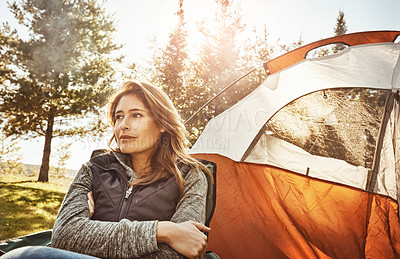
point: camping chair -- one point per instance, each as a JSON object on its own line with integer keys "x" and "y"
{"x": 43, "y": 238}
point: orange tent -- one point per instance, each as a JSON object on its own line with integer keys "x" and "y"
{"x": 308, "y": 165}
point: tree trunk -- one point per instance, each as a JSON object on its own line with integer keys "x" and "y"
{"x": 44, "y": 168}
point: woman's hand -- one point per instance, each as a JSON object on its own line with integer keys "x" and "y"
{"x": 186, "y": 238}
{"x": 90, "y": 203}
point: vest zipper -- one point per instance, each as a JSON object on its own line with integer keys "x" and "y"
{"x": 124, "y": 207}
{"x": 128, "y": 192}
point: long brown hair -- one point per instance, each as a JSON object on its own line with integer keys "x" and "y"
{"x": 172, "y": 145}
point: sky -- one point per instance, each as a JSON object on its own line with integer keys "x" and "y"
{"x": 140, "y": 21}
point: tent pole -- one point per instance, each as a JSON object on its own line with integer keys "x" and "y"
{"x": 373, "y": 173}
{"x": 220, "y": 92}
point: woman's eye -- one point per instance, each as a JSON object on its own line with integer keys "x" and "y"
{"x": 118, "y": 117}
{"x": 137, "y": 115}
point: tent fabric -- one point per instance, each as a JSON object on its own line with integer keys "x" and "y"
{"x": 274, "y": 151}
{"x": 353, "y": 132}
{"x": 388, "y": 178}
{"x": 351, "y": 39}
{"x": 238, "y": 132}
{"x": 333, "y": 193}
{"x": 267, "y": 212}
{"x": 237, "y": 127}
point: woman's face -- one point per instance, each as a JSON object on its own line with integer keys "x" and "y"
{"x": 135, "y": 130}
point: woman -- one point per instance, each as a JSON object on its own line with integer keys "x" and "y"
{"x": 144, "y": 199}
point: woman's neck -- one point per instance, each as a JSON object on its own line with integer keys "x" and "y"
{"x": 141, "y": 164}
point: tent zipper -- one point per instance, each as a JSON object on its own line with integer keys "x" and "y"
{"x": 124, "y": 207}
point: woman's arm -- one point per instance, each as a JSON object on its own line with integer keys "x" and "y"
{"x": 187, "y": 238}
{"x": 192, "y": 205}
{"x": 184, "y": 233}
{"x": 74, "y": 231}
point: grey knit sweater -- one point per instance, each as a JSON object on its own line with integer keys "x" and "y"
{"x": 75, "y": 231}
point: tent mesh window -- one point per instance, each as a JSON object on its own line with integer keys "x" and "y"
{"x": 336, "y": 123}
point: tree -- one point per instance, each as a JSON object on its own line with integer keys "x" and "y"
{"x": 173, "y": 73}
{"x": 214, "y": 66}
{"x": 60, "y": 75}
{"x": 219, "y": 55}
{"x": 62, "y": 155}
{"x": 10, "y": 158}
{"x": 222, "y": 57}
{"x": 340, "y": 29}
{"x": 291, "y": 46}
{"x": 256, "y": 51}
{"x": 171, "y": 64}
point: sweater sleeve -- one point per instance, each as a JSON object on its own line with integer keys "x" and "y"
{"x": 191, "y": 206}
{"x": 74, "y": 231}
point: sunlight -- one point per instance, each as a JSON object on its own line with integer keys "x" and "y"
{"x": 195, "y": 13}
{"x": 140, "y": 25}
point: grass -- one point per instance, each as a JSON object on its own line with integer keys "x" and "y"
{"x": 28, "y": 206}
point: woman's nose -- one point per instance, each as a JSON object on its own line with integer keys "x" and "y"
{"x": 124, "y": 125}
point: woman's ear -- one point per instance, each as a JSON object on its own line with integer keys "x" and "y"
{"x": 162, "y": 130}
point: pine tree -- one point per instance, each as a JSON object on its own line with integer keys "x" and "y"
{"x": 10, "y": 156}
{"x": 61, "y": 74}
{"x": 256, "y": 51}
{"x": 219, "y": 55}
{"x": 340, "y": 29}
{"x": 62, "y": 155}
{"x": 177, "y": 78}
{"x": 171, "y": 64}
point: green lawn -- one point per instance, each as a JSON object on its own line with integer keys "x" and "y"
{"x": 27, "y": 206}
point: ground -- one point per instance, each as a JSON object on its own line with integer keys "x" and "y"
{"x": 28, "y": 206}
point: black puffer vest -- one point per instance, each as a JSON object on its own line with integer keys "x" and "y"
{"x": 115, "y": 199}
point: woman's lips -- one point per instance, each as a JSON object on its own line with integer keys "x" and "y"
{"x": 126, "y": 137}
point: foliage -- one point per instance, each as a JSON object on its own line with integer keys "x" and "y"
{"x": 217, "y": 65}
{"x": 291, "y": 46}
{"x": 12, "y": 167}
{"x": 221, "y": 58}
{"x": 9, "y": 149}
{"x": 219, "y": 53}
{"x": 340, "y": 29}
{"x": 62, "y": 155}
{"x": 171, "y": 65}
{"x": 10, "y": 158}
{"x": 60, "y": 75}
{"x": 173, "y": 74}
{"x": 256, "y": 51}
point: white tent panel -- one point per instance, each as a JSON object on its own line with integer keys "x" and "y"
{"x": 368, "y": 66}
{"x": 237, "y": 126}
{"x": 360, "y": 66}
{"x": 277, "y": 152}
{"x": 388, "y": 177}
